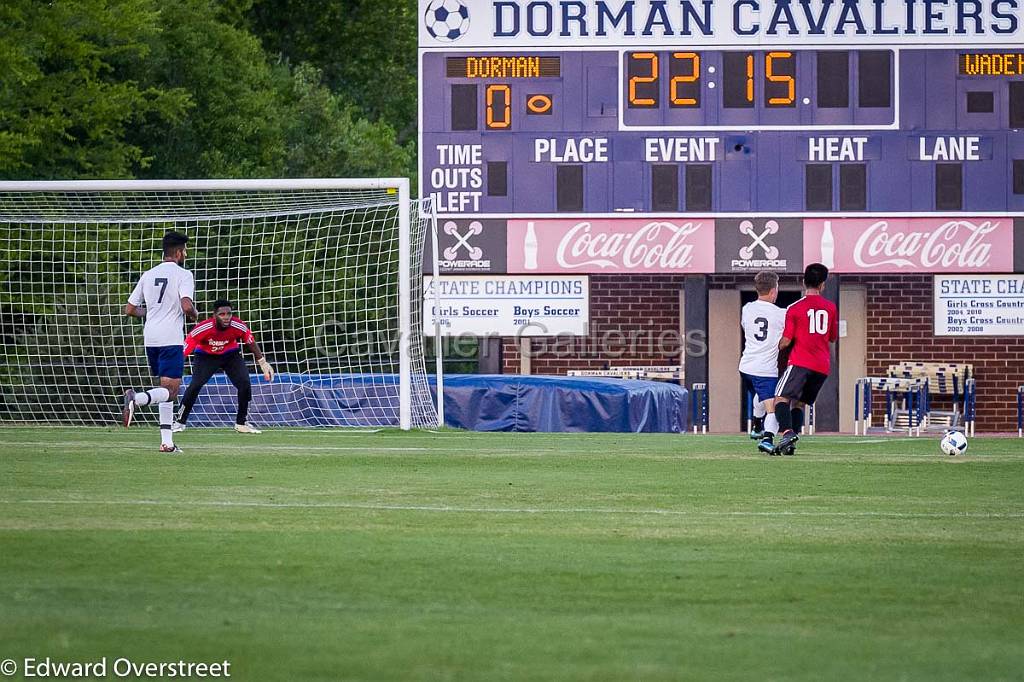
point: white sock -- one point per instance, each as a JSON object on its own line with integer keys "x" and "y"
{"x": 166, "y": 417}
{"x": 759, "y": 410}
{"x": 153, "y": 395}
{"x": 771, "y": 424}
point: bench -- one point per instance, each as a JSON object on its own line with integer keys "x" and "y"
{"x": 941, "y": 379}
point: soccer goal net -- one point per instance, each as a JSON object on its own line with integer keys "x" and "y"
{"x": 326, "y": 273}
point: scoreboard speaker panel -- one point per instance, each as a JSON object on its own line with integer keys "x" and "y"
{"x": 533, "y": 184}
{"x": 790, "y": 181}
{"x": 890, "y": 176}
{"x": 768, "y": 175}
{"x": 985, "y": 183}
{"x": 602, "y": 97}
{"x": 1014, "y": 169}
{"x": 980, "y": 105}
{"x": 631, "y": 185}
{"x": 940, "y": 101}
{"x": 597, "y": 182}
{"x": 734, "y": 185}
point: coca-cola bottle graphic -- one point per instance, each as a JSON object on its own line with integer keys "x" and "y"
{"x": 530, "y": 248}
{"x": 828, "y": 246}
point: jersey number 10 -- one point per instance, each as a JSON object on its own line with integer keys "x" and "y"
{"x": 817, "y": 321}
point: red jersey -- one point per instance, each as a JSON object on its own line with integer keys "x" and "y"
{"x": 207, "y": 337}
{"x": 811, "y": 323}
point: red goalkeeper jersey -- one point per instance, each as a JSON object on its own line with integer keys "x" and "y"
{"x": 811, "y": 323}
{"x": 208, "y": 338}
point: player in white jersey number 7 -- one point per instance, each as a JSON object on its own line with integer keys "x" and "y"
{"x": 164, "y": 298}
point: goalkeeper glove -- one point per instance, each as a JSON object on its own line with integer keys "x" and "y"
{"x": 268, "y": 371}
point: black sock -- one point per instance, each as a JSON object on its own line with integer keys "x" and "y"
{"x": 758, "y": 423}
{"x": 783, "y": 415}
{"x": 798, "y": 419}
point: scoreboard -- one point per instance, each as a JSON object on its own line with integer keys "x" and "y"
{"x": 605, "y": 107}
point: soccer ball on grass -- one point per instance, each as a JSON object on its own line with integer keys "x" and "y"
{"x": 953, "y": 443}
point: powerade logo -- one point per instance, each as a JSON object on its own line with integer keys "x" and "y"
{"x": 446, "y": 20}
{"x": 758, "y": 241}
{"x": 462, "y": 241}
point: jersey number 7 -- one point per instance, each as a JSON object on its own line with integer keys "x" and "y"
{"x": 162, "y": 283}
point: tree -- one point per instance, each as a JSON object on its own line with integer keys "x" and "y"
{"x": 137, "y": 88}
{"x": 325, "y": 137}
{"x": 253, "y": 118}
{"x": 235, "y": 126}
{"x": 366, "y": 50}
{"x": 65, "y": 100}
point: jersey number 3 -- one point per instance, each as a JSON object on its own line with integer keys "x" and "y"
{"x": 762, "y": 332}
{"x": 162, "y": 283}
{"x": 817, "y": 321}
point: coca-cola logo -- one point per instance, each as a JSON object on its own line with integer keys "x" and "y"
{"x": 659, "y": 244}
{"x": 953, "y": 244}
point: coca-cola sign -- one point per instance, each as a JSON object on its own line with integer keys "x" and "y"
{"x": 910, "y": 244}
{"x": 612, "y": 245}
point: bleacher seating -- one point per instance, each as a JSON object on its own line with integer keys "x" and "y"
{"x": 942, "y": 379}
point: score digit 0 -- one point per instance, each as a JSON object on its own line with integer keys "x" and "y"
{"x": 499, "y": 116}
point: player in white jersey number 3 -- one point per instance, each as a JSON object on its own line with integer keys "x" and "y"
{"x": 762, "y": 322}
{"x": 164, "y": 298}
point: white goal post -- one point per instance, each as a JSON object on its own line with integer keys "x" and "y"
{"x": 326, "y": 272}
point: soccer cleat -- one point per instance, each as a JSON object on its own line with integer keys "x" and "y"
{"x": 766, "y": 446}
{"x": 128, "y": 410}
{"x": 177, "y": 427}
{"x": 246, "y": 428}
{"x": 787, "y": 446}
{"x": 172, "y": 449}
{"x": 755, "y": 434}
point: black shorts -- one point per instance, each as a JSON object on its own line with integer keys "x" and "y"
{"x": 800, "y": 383}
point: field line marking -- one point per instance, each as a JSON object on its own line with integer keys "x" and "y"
{"x": 254, "y": 445}
{"x": 523, "y": 510}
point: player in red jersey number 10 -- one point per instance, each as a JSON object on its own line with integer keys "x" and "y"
{"x": 812, "y": 325}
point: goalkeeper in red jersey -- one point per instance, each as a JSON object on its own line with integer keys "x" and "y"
{"x": 217, "y": 343}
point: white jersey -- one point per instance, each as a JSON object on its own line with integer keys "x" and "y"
{"x": 161, "y": 290}
{"x": 763, "y": 323}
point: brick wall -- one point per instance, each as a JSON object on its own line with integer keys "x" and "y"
{"x": 900, "y": 309}
{"x": 634, "y": 319}
{"x": 646, "y": 307}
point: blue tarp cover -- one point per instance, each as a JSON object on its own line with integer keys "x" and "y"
{"x": 478, "y": 402}
{"x": 509, "y": 402}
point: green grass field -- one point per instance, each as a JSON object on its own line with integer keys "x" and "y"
{"x": 323, "y": 555}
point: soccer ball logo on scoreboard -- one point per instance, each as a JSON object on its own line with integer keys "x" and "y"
{"x": 446, "y": 19}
